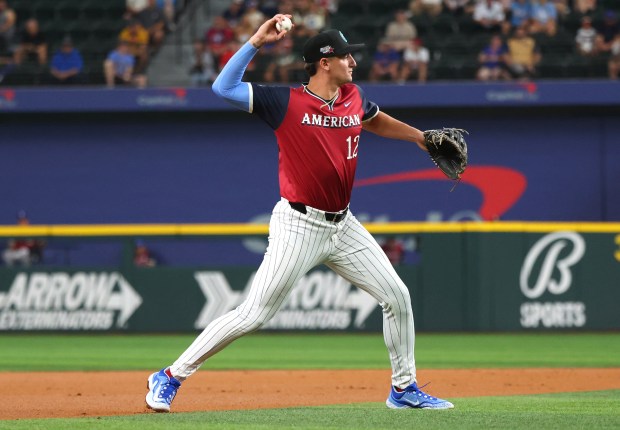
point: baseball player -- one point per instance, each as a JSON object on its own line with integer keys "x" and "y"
{"x": 317, "y": 127}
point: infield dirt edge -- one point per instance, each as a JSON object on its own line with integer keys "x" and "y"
{"x": 82, "y": 394}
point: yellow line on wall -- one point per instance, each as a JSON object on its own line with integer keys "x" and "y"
{"x": 262, "y": 229}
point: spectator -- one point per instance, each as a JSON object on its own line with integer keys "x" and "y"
{"x": 459, "y": 7}
{"x": 523, "y": 55}
{"x": 234, "y": 12}
{"x": 133, "y": 8}
{"x": 309, "y": 14}
{"x": 142, "y": 256}
{"x": 330, "y": 6}
{"x": 153, "y": 20}
{"x": 7, "y": 27}
{"x": 284, "y": 62}
{"x": 66, "y": 65}
{"x": 505, "y": 5}
{"x": 400, "y": 31}
{"x": 520, "y": 13}
{"x": 415, "y": 62}
{"x": 385, "y": 62}
{"x": 607, "y": 31}
{"x": 119, "y": 68}
{"x": 584, "y": 7}
{"x": 562, "y": 7}
{"x": 394, "y": 250}
{"x": 614, "y": 60}
{"x": 586, "y": 38}
{"x": 32, "y": 44}
{"x": 489, "y": 15}
{"x": 203, "y": 70}
{"x": 169, "y": 9}
{"x": 137, "y": 39}
{"x": 430, "y": 7}
{"x": 232, "y": 47}
{"x": 218, "y": 36}
{"x": 254, "y": 14}
{"x": 492, "y": 61}
{"x": 286, "y": 7}
{"x": 23, "y": 251}
{"x": 244, "y": 30}
{"x": 544, "y": 17}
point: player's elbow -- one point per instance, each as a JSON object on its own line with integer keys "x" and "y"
{"x": 222, "y": 89}
{"x": 217, "y": 87}
{"x": 237, "y": 95}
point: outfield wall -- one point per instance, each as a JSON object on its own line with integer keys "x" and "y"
{"x": 466, "y": 277}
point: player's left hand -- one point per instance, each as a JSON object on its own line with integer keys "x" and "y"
{"x": 268, "y": 33}
{"x": 448, "y": 150}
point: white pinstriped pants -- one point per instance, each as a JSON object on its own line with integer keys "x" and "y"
{"x": 297, "y": 243}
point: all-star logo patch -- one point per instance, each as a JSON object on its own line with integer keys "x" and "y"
{"x": 327, "y": 50}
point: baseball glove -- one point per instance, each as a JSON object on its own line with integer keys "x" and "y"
{"x": 448, "y": 150}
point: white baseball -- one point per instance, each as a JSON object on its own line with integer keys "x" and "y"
{"x": 285, "y": 24}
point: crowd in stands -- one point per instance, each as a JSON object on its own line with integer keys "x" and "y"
{"x": 496, "y": 39}
{"x": 25, "y": 47}
{"x": 408, "y": 40}
{"x": 278, "y": 62}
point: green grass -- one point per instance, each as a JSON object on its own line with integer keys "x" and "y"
{"x": 319, "y": 351}
{"x": 594, "y": 410}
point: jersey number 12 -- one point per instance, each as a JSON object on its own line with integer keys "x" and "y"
{"x": 352, "y": 145}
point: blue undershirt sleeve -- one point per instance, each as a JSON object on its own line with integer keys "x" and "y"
{"x": 228, "y": 84}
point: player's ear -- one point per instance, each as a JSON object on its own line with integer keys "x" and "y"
{"x": 324, "y": 63}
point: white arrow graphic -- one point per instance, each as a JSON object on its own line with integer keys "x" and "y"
{"x": 219, "y": 296}
{"x": 127, "y": 300}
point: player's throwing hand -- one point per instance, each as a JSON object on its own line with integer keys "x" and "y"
{"x": 268, "y": 33}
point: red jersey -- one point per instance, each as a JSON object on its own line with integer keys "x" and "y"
{"x": 318, "y": 141}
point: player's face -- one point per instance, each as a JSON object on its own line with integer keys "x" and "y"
{"x": 342, "y": 68}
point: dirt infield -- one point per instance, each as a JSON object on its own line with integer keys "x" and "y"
{"x": 78, "y": 394}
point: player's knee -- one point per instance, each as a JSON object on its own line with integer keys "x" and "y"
{"x": 251, "y": 322}
{"x": 398, "y": 303}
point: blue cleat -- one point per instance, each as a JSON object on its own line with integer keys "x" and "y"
{"x": 162, "y": 388}
{"x": 413, "y": 397}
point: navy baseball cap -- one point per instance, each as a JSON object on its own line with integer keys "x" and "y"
{"x": 329, "y": 43}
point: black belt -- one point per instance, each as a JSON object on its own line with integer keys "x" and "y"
{"x": 329, "y": 216}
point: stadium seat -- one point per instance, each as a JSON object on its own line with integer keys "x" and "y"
{"x": 351, "y": 8}
{"x": 466, "y": 25}
{"x": 341, "y": 22}
{"x": 69, "y": 11}
{"x": 23, "y": 10}
{"x": 370, "y": 27}
{"x": 44, "y": 10}
{"x": 445, "y": 24}
{"x": 552, "y": 66}
{"x": 422, "y": 25}
{"x": 382, "y": 9}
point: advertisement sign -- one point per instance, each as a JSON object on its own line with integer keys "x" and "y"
{"x": 171, "y": 300}
{"x": 547, "y": 268}
{"x": 498, "y": 281}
